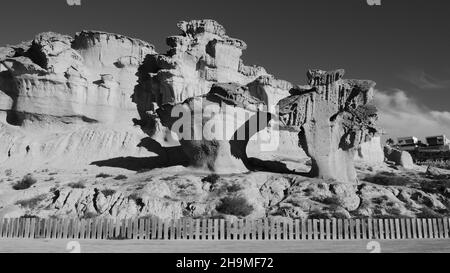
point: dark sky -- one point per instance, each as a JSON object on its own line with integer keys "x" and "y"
{"x": 402, "y": 44}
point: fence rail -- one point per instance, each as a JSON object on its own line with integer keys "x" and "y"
{"x": 219, "y": 229}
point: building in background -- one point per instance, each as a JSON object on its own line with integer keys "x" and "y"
{"x": 410, "y": 143}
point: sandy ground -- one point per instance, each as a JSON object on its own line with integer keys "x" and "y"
{"x": 180, "y": 246}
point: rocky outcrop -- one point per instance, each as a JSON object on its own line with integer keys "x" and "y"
{"x": 172, "y": 194}
{"x": 371, "y": 151}
{"x": 214, "y": 129}
{"x": 199, "y": 57}
{"x": 88, "y": 77}
{"x": 333, "y": 117}
{"x": 66, "y": 101}
{"x": 401, "y": 158}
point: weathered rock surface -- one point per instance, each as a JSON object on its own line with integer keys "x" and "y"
{"x": 401, "y": 158}
{"x": 173, "y": 193}
{"x": 199, "y": 57}
{"x": 89, "y": 77}
{"x": 66, "y": 102}
{"x": 371, "y": 151}
{"x": 333, "y": 117}
{"x": 68, "y": 99}
{"x": 216, "y": 127}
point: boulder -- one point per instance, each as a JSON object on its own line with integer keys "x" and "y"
{"x": 436, "y": 172}
{"x": 400, "y": 158}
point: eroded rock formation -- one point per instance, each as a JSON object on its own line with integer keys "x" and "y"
{"x": 199, "y": 57}
{"x": 68, "y": 99}
{"x": 333, "y": 117}
{"x": 398, "y": 157}
{"x": 216, "y": 127}
{"x": 89, "y": 77}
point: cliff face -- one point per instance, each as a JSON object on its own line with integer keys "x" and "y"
{"x": 90, "y": 77}
{"x": 74, "y": 99}
{"x": 68, "y": 99}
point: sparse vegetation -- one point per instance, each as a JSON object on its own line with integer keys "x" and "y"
{"x": 442, "y": 164}
{"x": 137, "y": 199}
{"x": 29, "y": 216}
{"x": 212, "y": 178}
{"x": 103, "y": 175}
{"x": 334, "y": 200}
{"x": 26, "y": 182}
{"x": 169, "y": 178}
{"x": 108, "y": 192}
{"x": 379, "y": 200}
{"x": 32, "y": 202}
{"x": 8, "y": 172}
{"x": 426, "y": 212}
{"x": 89, "y": 215}
{"x": 235, "y": 206}
{"x": 77, "y": 185}
{"x": 120, "y": 177}
{"x": 234, "y": 188}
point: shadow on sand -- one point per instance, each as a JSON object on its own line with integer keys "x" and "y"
{"x": 166, "y": 157}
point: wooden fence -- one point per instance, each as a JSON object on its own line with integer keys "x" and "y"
{"x": 218, "y": 229}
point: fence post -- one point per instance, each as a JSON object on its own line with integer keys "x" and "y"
{"x": 191, "y": 228}
{"x": 403, "y": 227}
{"x": 352, "y": 229}
{"x": 27, "y": 228}
{"x": 413, "y": 227}
{"x": 221, "y": 229}
{"x": 10, "y": 228}
{"x": 425, "y": 228}
{"x": 32, "y": 227}
{"x": 408, "y": 228}
{"x": 446, "y": 235}
{"x": 340, "y": 234}
{"x": 435, "y": 228}
{"x": 322, "y": 229}
{"x": 16, "y": 227}
{"x": 215, "y": 228}
{"x": 346, "y": 228}
{"x": 228, "y": 230}
{"x": 397, "y": 228}
{"x": 166, "y": 229}
{"x": 315, "y": 229}
{"x": 387, "y": 229}
{"x": 285, "y": 230}
{"x": 334, "y": 228}
{"x": 430, "y": 228}
{"x": 440, "y": 227}
{"x": 327, "y": 229}
{"x": 420, "y": 233}
{"x": 358, "y": 228}
{"x": 259, "y": 226}
{"x": 381, "y": 228}
{"x": 2, "y": 226}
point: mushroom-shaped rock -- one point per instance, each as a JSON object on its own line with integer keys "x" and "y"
{"x": 333, "y": 117}
{"x": 200, "y": 56}
{"x": 214, "y": 129}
